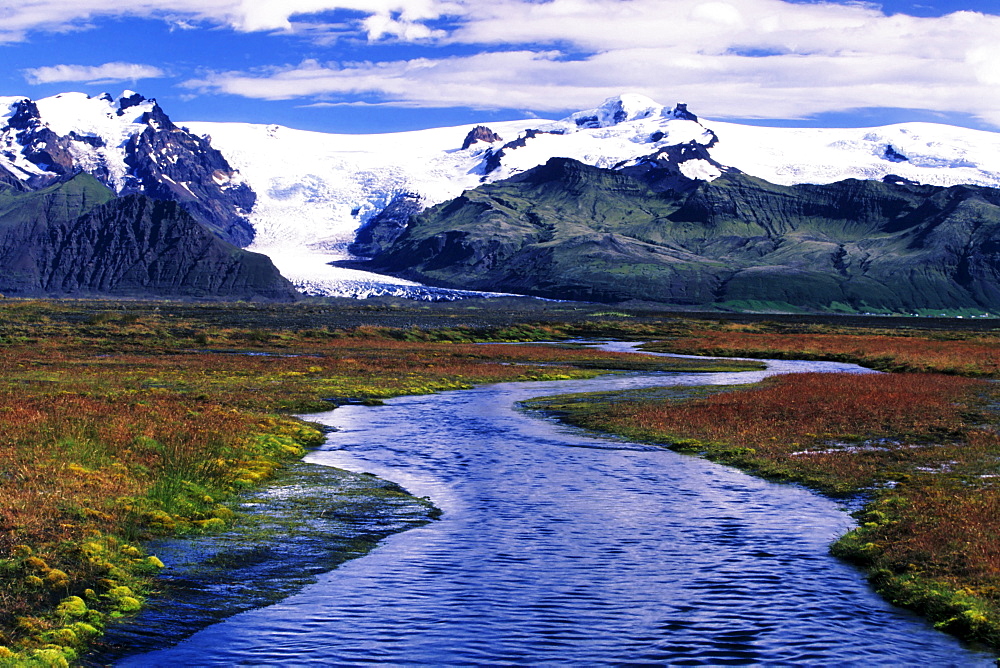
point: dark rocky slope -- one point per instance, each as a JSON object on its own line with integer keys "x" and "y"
{"x": 170, "y": 163}
{"x": 571, "y": 231}
{"x": 386, "y": 226}
{"x": 75, "y": 238}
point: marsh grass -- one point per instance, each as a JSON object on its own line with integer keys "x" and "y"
{"x": 974, "y": 354}
{"x": 922, "y": 448}
{"x": 121, "y": 424}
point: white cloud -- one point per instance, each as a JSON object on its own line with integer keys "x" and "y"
{"x": 729, "y": 58}
{"x": 404, "y": 18}
{"x": 983, "y": 60}
{"x": 488, "y": 80}
{"x": 708, "y": 53}
{"x": 721, "y": 85}
{"x": 106, "y": 73}
{"x": 722, "y": 13}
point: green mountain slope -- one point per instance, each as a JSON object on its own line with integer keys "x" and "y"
{"x": 567, "y": 230}
{"x": 75, "y": 238}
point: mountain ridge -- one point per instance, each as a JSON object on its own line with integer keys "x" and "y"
{"x": 573, "y": 231}
{"x": 332, "y": 186}
{"x": 131, "y": 146}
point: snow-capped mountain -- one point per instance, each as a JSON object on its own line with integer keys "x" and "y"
{"x": 131, "y": 146}
{"x": 316, "y": 190}
{"x": 305, "y": 195}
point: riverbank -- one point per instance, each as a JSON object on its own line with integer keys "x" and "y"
{"x": 306, "y": 520}
{"x": 123, "y": 423}
{"x": 962, "y": 352}
{"x": 920, "y": 449}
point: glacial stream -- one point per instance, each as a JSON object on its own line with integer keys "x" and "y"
{"x": 556, "y": 547}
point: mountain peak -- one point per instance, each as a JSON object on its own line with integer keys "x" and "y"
{"x": 480, "y": 133}
{"x": 615, "y": 110}
{"x": 130, "y": 145}
{"x": 128, "y": 99}
{"x": 625, "y": 108}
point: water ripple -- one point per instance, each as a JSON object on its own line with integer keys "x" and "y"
{"x": 559, "y": 548}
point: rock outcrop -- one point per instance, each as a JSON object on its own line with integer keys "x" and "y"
{"x": 480, "y": 133}
{"x": 171, "y": 163}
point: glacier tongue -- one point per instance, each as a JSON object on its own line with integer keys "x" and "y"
{"x": 311, "y": 273}
{"x": 314, "y": 190}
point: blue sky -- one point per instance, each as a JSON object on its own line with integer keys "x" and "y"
{"x": 387, "y": 65}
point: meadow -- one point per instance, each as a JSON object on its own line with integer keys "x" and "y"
{"x": 124, "y": 421}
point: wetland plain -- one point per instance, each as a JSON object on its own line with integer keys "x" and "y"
{"x": 125, "y": 423}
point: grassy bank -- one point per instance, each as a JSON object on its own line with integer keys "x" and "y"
{"x": 901, "y": 349}
{"x": 307, "y": 519}
{"x": 119, "y": 422}
{"x": 921, "y": 448}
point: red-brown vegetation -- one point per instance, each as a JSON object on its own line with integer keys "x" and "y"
{"x": 114, "y": 428}
{"x": 973, "y": 355}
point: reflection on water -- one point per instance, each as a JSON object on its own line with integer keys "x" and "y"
{"x": 557, "y": 547}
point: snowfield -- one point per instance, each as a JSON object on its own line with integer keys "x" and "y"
{"x": 941, "y": 155}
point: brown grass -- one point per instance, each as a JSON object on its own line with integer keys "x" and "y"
{"x": 967, "y": 354}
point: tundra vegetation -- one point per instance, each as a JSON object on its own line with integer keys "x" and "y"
{"x": 119, "y": 422}
{"x": 123, "y": 421}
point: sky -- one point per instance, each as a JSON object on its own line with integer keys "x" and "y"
{"x": 361, "y": 66}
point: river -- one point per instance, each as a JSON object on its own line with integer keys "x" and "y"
{"x": 557, "y": 547}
